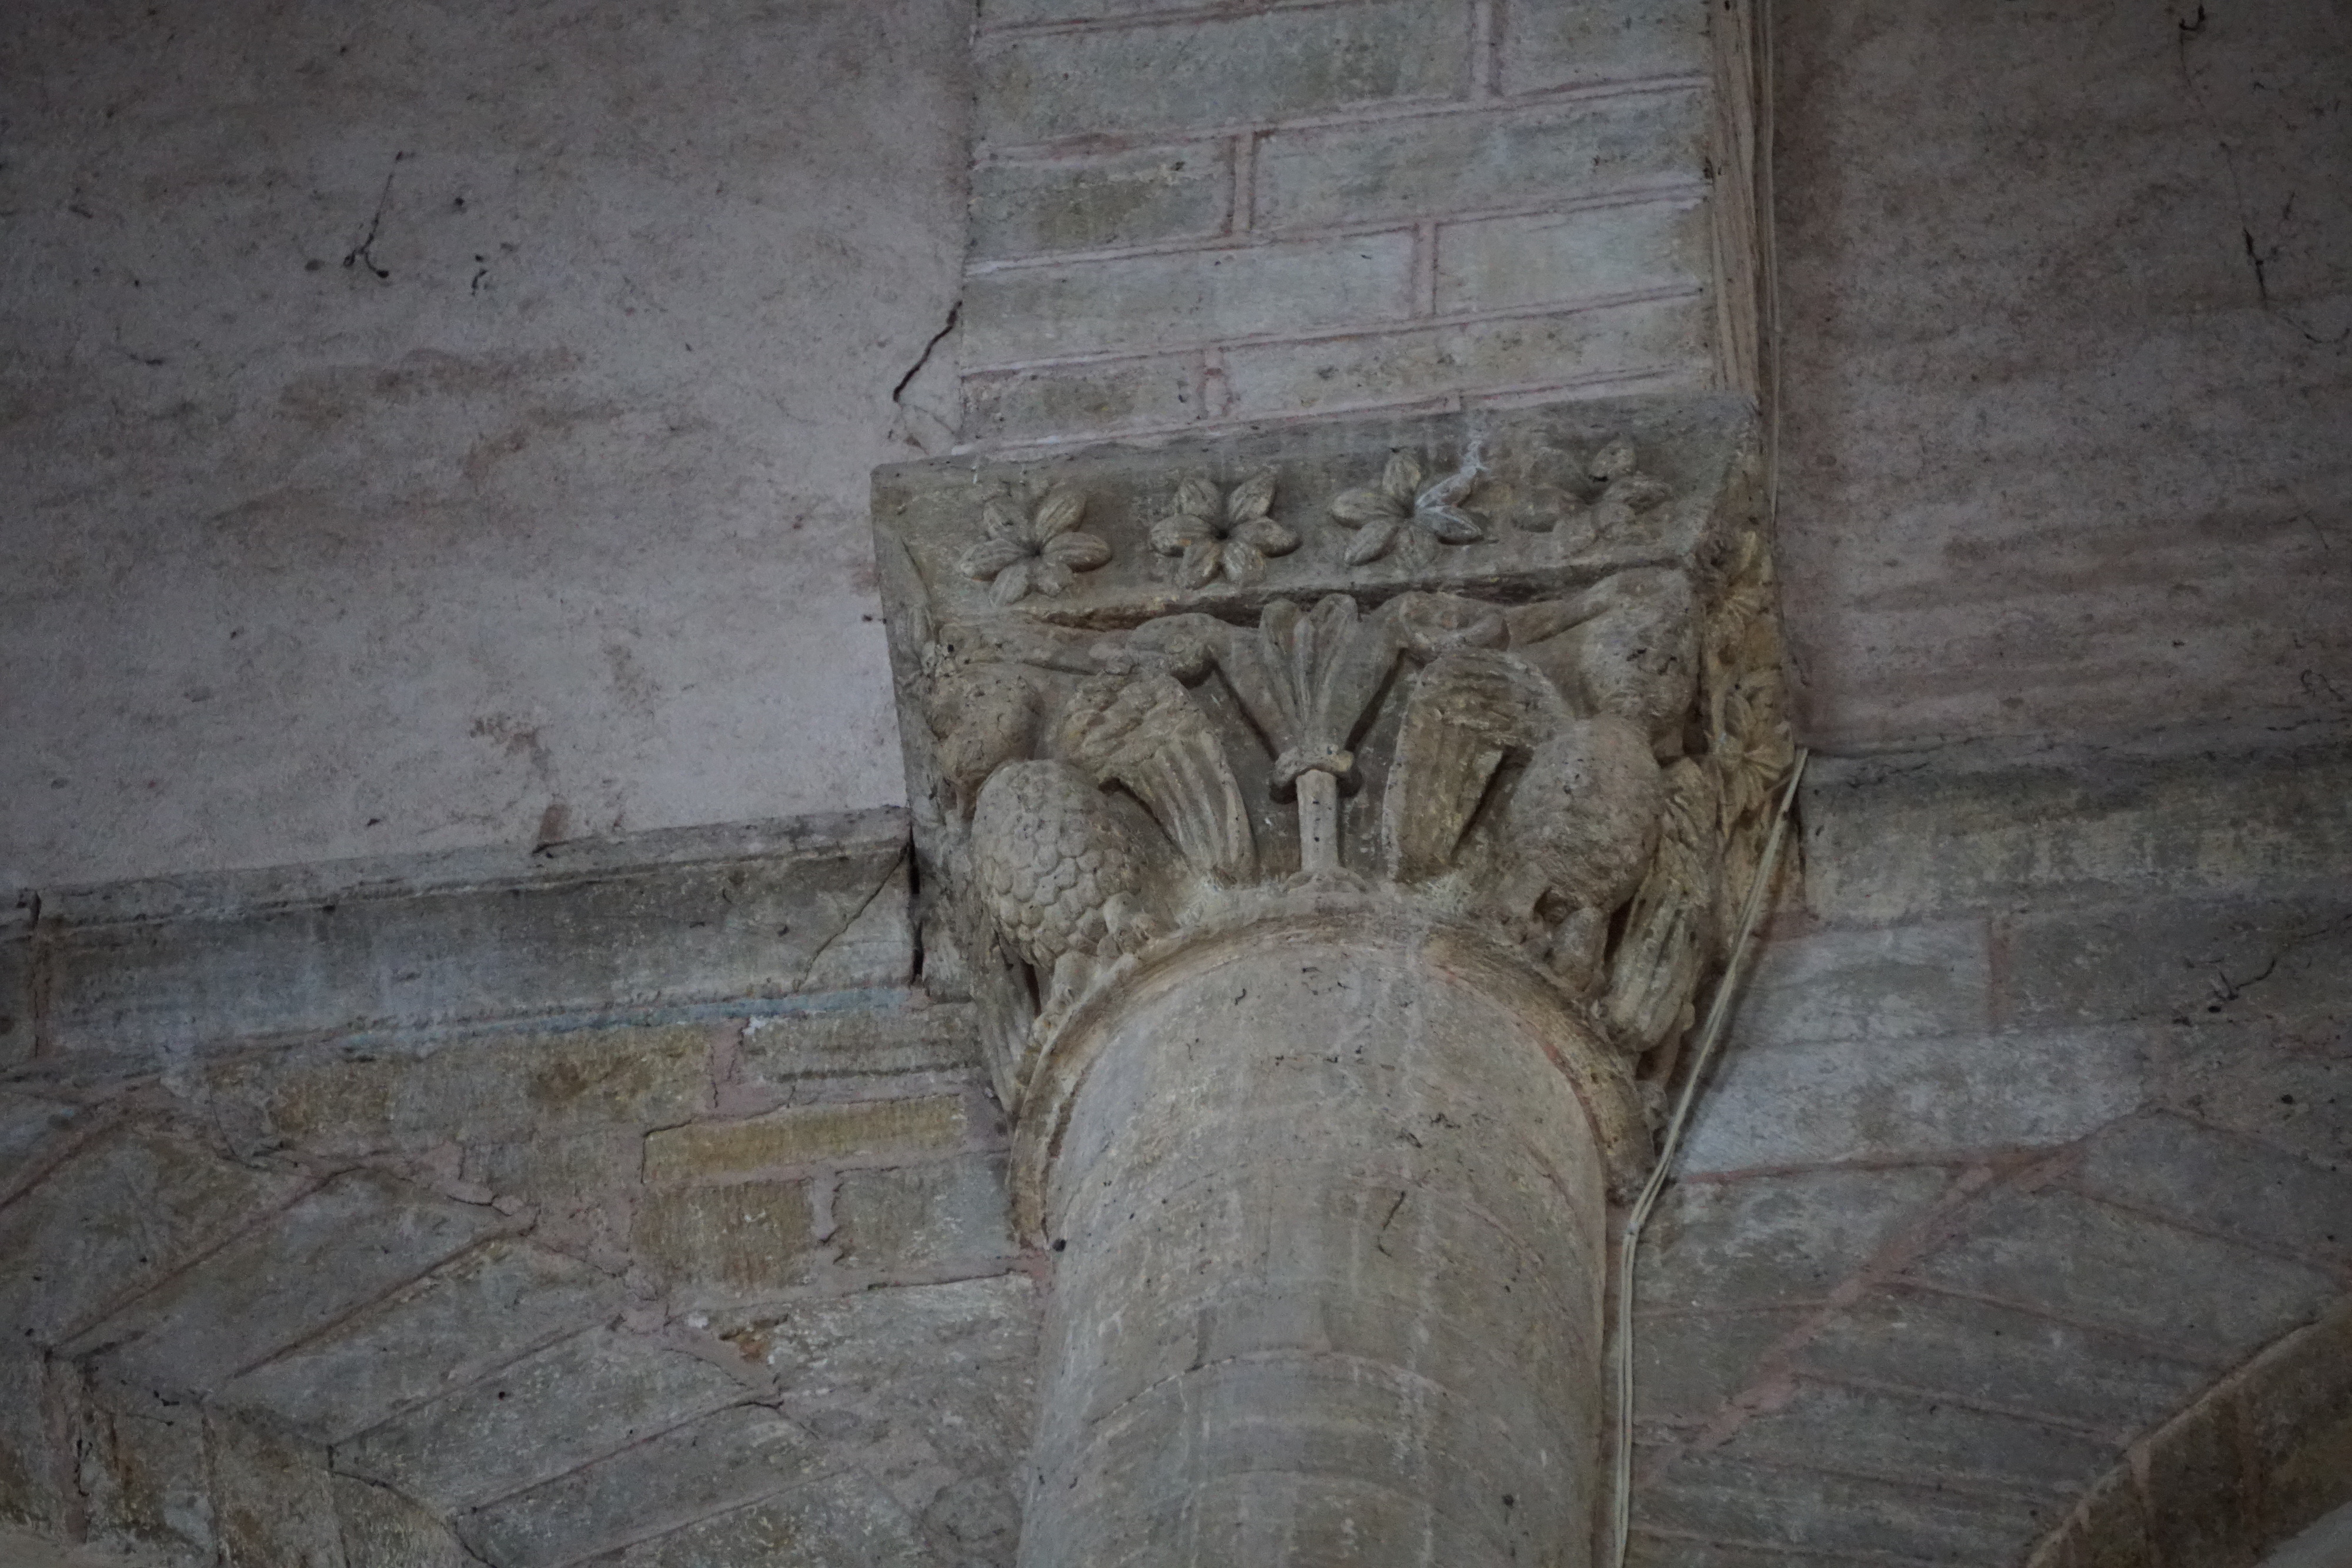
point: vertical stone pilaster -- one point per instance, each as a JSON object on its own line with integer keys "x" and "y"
{"x": 1188, "y": 217}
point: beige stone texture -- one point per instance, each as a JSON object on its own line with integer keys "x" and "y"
{"x": 803, "y": 1135}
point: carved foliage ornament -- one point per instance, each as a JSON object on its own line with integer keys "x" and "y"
{"x": 1582, "y": 772}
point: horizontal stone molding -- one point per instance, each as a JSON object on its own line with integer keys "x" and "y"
{"x": 126, "y": 976}
{"x": 1913, "y": 835}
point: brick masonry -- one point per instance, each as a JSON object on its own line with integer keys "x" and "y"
{"x": 1186, "y": 218}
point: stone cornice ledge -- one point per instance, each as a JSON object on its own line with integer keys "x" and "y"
{"x": 125, "y": 977}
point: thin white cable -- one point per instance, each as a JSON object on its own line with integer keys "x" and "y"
{"x": 1719, "y": 1008}
{"x": 1718, "y": 1011}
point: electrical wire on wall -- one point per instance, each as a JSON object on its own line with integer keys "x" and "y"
{"x": 1718, "y": 1012}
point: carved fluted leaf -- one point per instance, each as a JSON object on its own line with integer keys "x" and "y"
{"x": 1671, "y": 931}
{"x": 1469, "y": 711}
{"x": 1145, "y": 731}
{"x": 1058, "y": 512}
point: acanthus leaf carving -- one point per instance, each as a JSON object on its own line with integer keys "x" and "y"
{"x": 1469, "y": 710}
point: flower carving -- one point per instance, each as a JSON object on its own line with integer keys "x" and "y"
{"x": 1234, "y": 539}
{"x": 1033, "y": 552}
{"x": 1387, "y": 514}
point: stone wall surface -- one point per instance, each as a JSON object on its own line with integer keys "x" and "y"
{"x": 699, "y": 1280}
{"x": 440, "y": 425}
{"x": 2037, "y": 1123}
{"x": 1185, "y": 218}
{"x": 2066, "y": 298}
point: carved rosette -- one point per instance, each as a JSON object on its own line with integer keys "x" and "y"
{"x": 1537, "y": 699}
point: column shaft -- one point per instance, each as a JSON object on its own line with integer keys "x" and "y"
{"x": 1328, "y": 1232}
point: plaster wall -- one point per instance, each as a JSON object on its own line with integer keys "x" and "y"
{"x": 431, "y": 426}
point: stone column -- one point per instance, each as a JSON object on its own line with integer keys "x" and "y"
{"x": 1328, "y": 1230}
{"x": 1334, "y": 828}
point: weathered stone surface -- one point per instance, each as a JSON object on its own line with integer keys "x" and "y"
{"x": 383, "y": 1529}
{"x": 1774, "y": 1239}
{"x": 464, "y": 1318}
{"x": 1687, "y": 1363}
{"x": 747, "y": 1237}
{"x": 804, "y": 1134}
{"x": 1861, "y": 1431}
{"x": 147, "y": 1481}
{"x": 2296, "y": 1407}
{"x": 546, "y": 1414}
{"x": 1242, "y": 69}
{"x": 272, "y": 1499}
{"x": 1541, "y": 45}
{"x": 1994, "y": 1356}
{"x": 588, "y": 927}
{"x": 1885, "y": 840}
{"x": 924, "y": 1212}
{"x": 2224, "y": 1186}
{"x": 844, "y": 1522}
{"x": 718, "y": 1462}
{"x": 876, "y": 949}
{"x": 15, "y": 989}
{"x": 29, "y": 1492}
{"x": 2287, "y": 961}
{"x": 2199, "y": 1514}
{"x": 1725, "y": 1500}
{"x": 338, "y": 1249}
{"x": 859, "y": 1043}
{"x": 2097, "y": 453}
{"x": 1881, "y": 983}
{"x": 2290, "y": 1089}
{"x": 1554, "y": 258}
{"x": 28, "y": 1125}
{"x": 1661, "y": 338}
{"x": 1160, "y": 302}
{"x": 1414, "y": 168}
{"x": 929, "y": 1387}
{"x": 2086, "y": 1260}
{"x": 471, "y": 1089}
{"x": 1918, "y": 1098}
{"x": 1104, "y": 397}
{"x": 1181, "y": 191}
{"x": 117, "y": 1217}
{"x": 1255, "y": 1331}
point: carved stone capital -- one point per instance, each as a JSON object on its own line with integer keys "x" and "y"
{"x": 1334, "y": 825}
{"x": 1515, "y": 675}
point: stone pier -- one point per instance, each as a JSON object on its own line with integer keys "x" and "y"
{"x": 1333, "y": 828}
